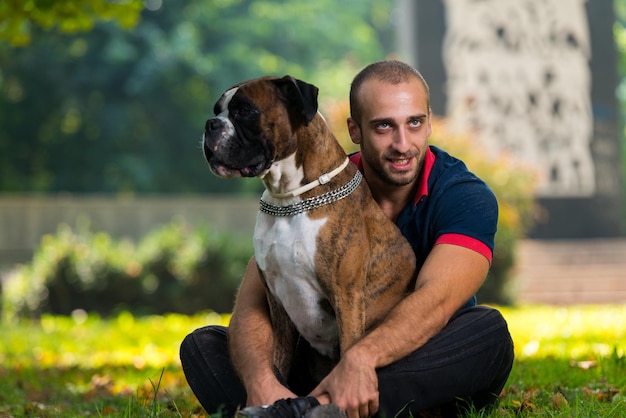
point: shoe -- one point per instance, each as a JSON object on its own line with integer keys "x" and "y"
{"x": 282, "y": 408}
{"x": 326, "y": 411}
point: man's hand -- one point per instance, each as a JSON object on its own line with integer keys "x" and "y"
{"x": 267, "y": 393}
{"x": 352, "y": 385}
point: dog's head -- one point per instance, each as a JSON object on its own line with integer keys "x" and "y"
{"x": 254, "y": 125}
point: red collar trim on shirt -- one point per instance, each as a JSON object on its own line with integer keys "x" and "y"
{"x": 429, "y": 162}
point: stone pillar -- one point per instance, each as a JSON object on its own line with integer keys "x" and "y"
{"x": 536, "y": 79}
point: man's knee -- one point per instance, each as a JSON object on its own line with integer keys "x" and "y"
{"x": 208, "y": 370}
{"x": 203, "y": 344}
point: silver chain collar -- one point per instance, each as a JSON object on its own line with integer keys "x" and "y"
{"x": 313, "y": 202}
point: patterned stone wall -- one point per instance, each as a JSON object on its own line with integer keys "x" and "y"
{"x": 518, "y": 72}
{"x": 535, "y": 79}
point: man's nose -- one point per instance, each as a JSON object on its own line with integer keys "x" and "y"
{"x": 402, "y": 140}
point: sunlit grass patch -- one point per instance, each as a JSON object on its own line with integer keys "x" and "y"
{"x": 89, "y": 341}
{"x": 570, "y": 362}
{"x": 574, "y": 332}
{"x": 84, "y": 365}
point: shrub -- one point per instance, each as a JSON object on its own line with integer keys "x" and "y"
{"x": 176, "y": 268}
{"x": 189, "y": 270}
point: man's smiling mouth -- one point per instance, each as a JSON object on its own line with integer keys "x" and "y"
{"x": 401, "y": 163}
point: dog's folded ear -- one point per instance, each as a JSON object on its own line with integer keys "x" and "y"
{"x": 301, "y": 96}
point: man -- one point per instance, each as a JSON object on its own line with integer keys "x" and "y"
{"x": 436, "y": 351}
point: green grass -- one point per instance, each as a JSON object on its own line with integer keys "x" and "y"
{"x": 86, "y": 366}
{"x": 570, "y": 363}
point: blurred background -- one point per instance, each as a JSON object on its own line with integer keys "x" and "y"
{"x": 107, "y": 204}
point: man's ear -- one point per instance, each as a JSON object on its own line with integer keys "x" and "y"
{"x": 300, "y": 96}
{"x": 354, "y": 130}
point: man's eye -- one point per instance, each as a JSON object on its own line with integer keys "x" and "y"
{"x": 416, "y": 122}
{"x": 382, "y": 125}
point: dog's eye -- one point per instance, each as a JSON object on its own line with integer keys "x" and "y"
{"x": 242, "y": 111}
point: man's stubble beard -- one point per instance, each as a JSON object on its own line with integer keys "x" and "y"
{"x": 390, "y": 178}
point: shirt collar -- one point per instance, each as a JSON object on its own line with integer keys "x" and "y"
{"x": 422, "y": 189}
{"x": 429, "y": 162}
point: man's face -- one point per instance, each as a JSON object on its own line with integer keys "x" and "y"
{"x": 393, "y": 131}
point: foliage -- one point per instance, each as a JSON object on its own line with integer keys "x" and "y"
{"x": 123, "y": 110}
{"x": 68, "y": 366}
{"x": 68, "y": 16}
{"x": 176, "y": 268}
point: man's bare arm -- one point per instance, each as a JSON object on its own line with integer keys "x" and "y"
{"x": 250, "y": 341}
{"x": 450, "y": 276}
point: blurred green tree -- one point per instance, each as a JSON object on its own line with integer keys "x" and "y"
{"x": 122, "y": 110}
{"x": 19, "y": 17}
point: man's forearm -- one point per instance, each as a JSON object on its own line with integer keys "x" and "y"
{"x": 251, "y": 342}
{"x": 407, "y": 327}
{"x": 250, "y": 330}
{"x": 448, "y": 279}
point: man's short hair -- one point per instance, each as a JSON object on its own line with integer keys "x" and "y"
{"x": 388, "y": 71}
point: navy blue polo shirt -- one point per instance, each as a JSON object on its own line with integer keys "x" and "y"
{"x": 451, "y": 206}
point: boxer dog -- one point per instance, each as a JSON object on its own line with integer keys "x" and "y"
{"x": 333, "y": 264}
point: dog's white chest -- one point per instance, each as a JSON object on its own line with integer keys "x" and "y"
{"x": 285, "y": 251}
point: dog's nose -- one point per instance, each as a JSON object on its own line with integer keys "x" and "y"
{"x": 214, "y": 124}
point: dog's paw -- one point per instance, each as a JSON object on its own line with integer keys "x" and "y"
{"x": 282, "y": 408}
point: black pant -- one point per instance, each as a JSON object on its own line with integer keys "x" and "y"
{"x": 467, "y": 363}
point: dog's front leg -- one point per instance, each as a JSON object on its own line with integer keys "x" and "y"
{"x": 350, "y": 309}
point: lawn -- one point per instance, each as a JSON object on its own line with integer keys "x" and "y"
{"x": 570, "y": 362}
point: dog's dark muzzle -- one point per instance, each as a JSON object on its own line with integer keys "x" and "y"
{"x": 213, "y": 126}
{"x": 228, "y": 155}
{"x": 213, "y": 132}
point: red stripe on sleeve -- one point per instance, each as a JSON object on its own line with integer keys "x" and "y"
{"x": 467, "y": 242}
